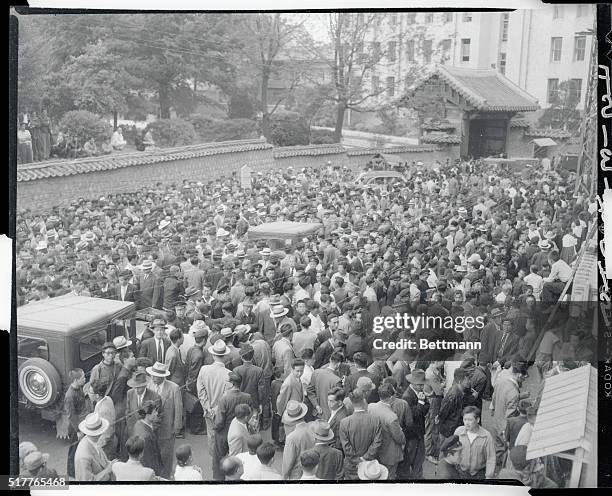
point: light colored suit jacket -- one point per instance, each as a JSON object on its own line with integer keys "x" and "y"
{"x": 132, "y": 471}
{"x": 321, "y": 382}
{"x": 131, "y": 410}
{"x": 237, "y": 437}
{"x": 292, "y": 389}
{"x": 171, "y": 410}
{"x": 89, "y": 461}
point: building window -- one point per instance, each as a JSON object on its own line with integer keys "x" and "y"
{"x": 505, "y": 22}
{"x": 375, "y": 84}
{"x": 557, "y": 12}
{"x": 467, "y": 17}
{"x": 465, "y": 50}
{"x": 553, "y": 90}
{"x": 582, "y": 10}
{"x": 411, "y": 18}
{"x": 410, "y": 50}
{"x": 447, "y": 17}
{"x": 427, "y": 49}
{"x": 429, "y": 18}
{"x": 391, "y": 50}
{"x": 575, "y": 89}
{"x": 393, "y": 19}
{"x": 502, "y": 63}
{"x": 446, "y": 46}
{"x": 375, "y": 50}
{"x": 391, "y": 86}
{"x": 579, "y": 47}
{"x": 555, "y": 49}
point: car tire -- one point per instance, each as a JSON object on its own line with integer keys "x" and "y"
{"x": 48, "y": 374}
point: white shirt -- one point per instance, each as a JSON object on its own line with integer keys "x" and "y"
{"x": 187, "y": 474}
{"x": 123, "y": 292}
{"x": 249, "y": 464}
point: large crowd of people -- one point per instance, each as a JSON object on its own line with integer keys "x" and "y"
{"x": 269, "y": 350}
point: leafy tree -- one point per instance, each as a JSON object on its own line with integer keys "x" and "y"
{"x": 562, "y": 113}
{"x": 289, "y": 129}
{"x": 350, "y": 64}
{"x": 83, "y": 125}
{"x": 428, "y": 103}
{"x": 172, "y": 132}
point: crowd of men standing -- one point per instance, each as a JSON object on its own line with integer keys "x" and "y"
{"x": 264, "y": 350}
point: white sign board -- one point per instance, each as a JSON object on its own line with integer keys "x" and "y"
{"x": 245, "y": 177}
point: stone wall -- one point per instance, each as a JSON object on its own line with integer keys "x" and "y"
{"x": 41, "y": 186}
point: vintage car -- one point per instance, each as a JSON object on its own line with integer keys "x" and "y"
{"x": 57, "y": 335}
{"x": 383, "y": 179}
{"x": 278, "y": 233}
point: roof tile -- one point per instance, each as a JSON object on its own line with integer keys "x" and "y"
{"x": 393, "y": 149}
{"x": 548, "y": 133}
{"x": 445, "y": 139}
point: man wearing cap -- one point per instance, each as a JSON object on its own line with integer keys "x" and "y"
{"x": 171, "y": 412}
{"x": 212, "y": 382}
{"x": 138, "y": 394}
{"x": 156, "y": 347}
{"x": 90, "y": 461}
{"x": 35, "y": 463}
{"x": 225, "y": 413}
{"x": 411, "y": 467}
{"x": 149, "y": 288}
{"x": 252, "y": 378}
{"x": 300, "y": 439}
{"x": 108, "y": 369}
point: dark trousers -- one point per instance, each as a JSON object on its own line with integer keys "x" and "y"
{"x": 74, "y": 442}
{"x": 277, "y": 430}
{"x": 447, "y": 471}
{"x": 195, "y": 418}
{"x": 411, "y": 467}
{"x": 221, "y": 450}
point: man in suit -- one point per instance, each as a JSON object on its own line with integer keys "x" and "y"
{"x": 350, "y": 383}
{"x": 293, "y": 389}
{"x": 149, "y": 288}
{"x": 411, "y": 467}
{"x": 299, "y": 440}
{"x": 360, "y": 435}
{"x": 173, "y": 360}
{"x": 282, "y": 351}
{"x": 506, "y": 343}
{"x": 90, "y": 462}
{"x": 338, "y": 411}
{"x": 224, "y": 416}
{"x": 262, "y": 357}
{"x": 196, "y": 357}
{"x": 238, "y": 432}
{"x": 323, "y": 381}
{"x": 133, "y": 470}
{"x": 125, "y": 290}
{"x": 171, "y": 414}
{"x": 331, "y": 464}
{"x": 104, "y": 289}
{"x": 155, "y": 348}
{"x": 137, "y": 396}
{"x": 252, "y": 378}
{"x": 393, "y": 439}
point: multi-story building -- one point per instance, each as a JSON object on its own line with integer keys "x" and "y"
{"x": 535, "y": 49}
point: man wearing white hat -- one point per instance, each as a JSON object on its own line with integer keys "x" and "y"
{"x": 90, "y": 462}
{"x": 212, "y": 382}
{"x": 171, "y": 414}
{"x": 148, "y": 288}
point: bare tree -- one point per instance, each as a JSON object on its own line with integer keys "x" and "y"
{"x": 350, "y": 62}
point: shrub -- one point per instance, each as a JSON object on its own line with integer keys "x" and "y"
{"x": 241, "y": 106}
{"x": 322, "y": 137}
{"x": 288, "y": 129}
{"x": 209, "y": 129}
{"x": 172, "y": 132}
{"x": 84, "y": 125}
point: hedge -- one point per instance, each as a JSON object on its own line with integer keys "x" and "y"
{"x": 172, "y": 132}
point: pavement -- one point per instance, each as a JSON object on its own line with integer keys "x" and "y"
{"x": 42, "y": 433}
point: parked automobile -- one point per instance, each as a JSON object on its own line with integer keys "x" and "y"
{"x": 383, "y": 179}
{"x": 277, "y": 233}
{"x": 57, "y": 335}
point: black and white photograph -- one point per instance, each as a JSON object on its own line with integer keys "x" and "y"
{"x": 307, "y": 246}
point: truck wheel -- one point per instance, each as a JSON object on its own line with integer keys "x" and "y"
{"x": 39, "y": 382}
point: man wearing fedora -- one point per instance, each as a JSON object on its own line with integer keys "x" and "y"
{"x": 212, "y": 382}
{"x": 138, "y": 394}
{"x": 171, "y": 411}
{"x": 411, "y": 467}
{"x": 300, "y": 439}
{"x": 372, "y": 470}
{"x": 149, "y": 288}
{"x": 156, "y": 347}
{"x": 293, "y": 389}
{"x": 90, "y": 462}
{"x": 331, "y": 464}
{"x": 224, "y": 414}
{"x": 252, "y": 377}
{"x": 282, "y": 350}
{"x": 36, "y": 465}
{"x": 360, "y": 435}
